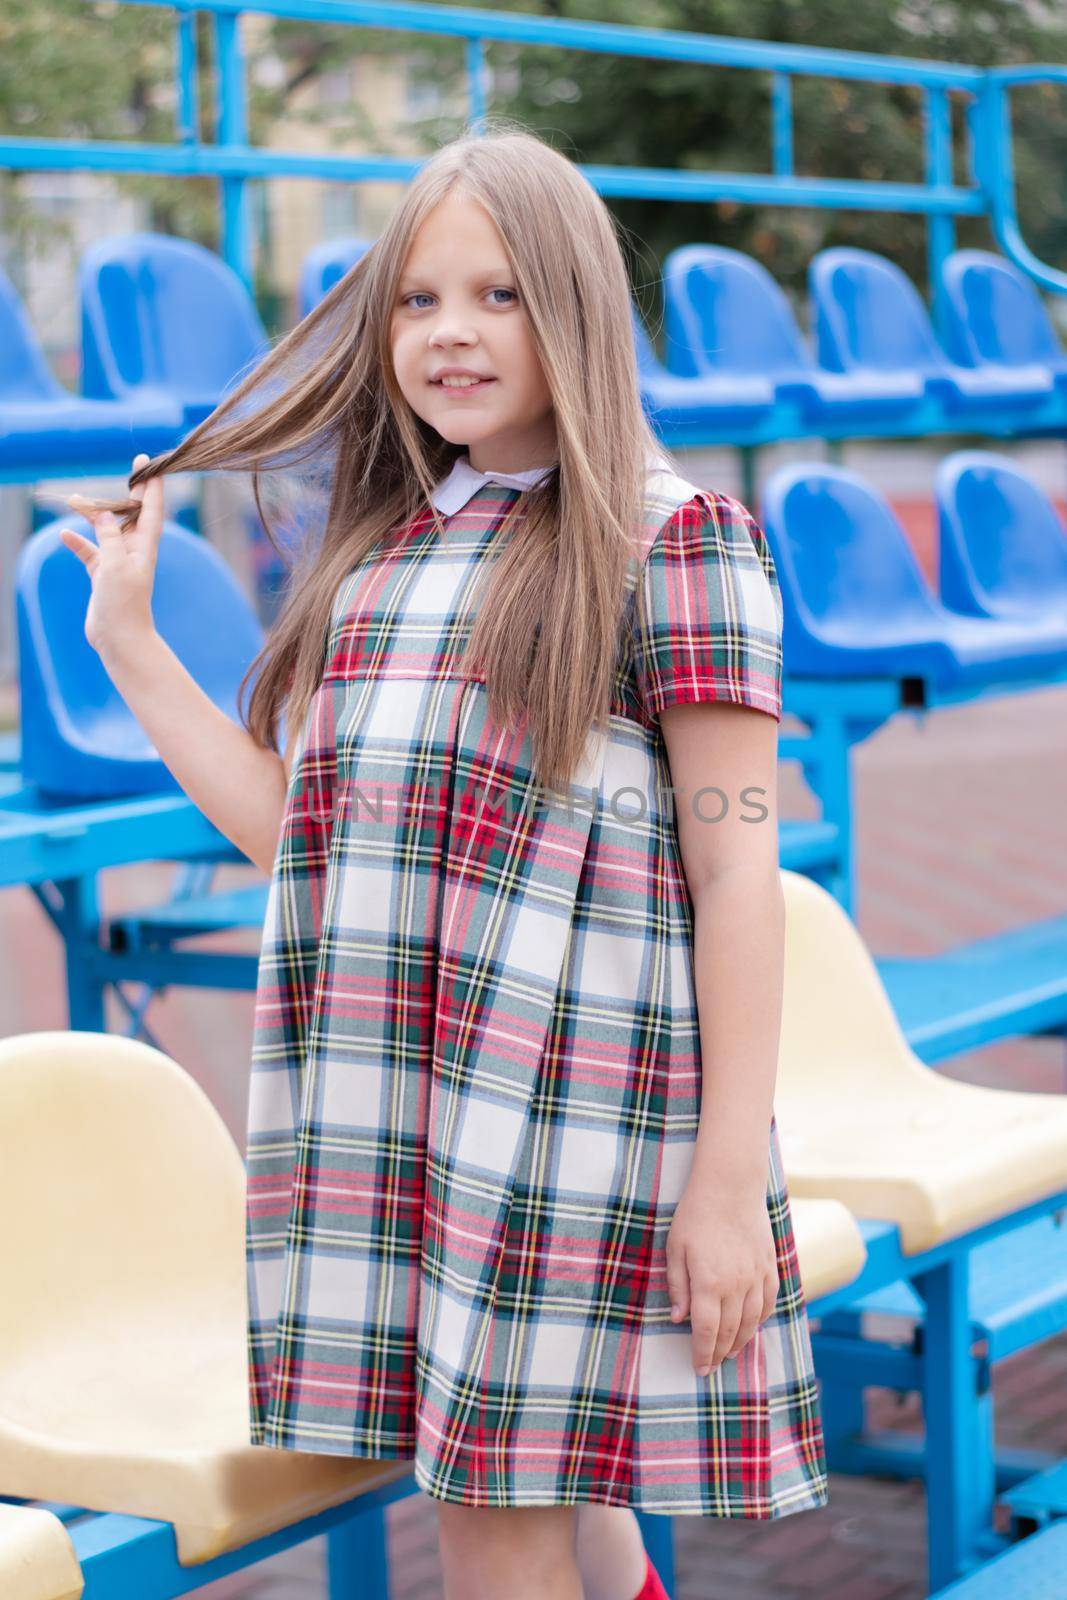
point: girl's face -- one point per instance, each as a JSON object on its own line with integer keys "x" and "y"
{"x": 457, "y": 308}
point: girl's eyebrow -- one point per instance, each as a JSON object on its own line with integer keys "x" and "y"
{"x": 490, "y": 275}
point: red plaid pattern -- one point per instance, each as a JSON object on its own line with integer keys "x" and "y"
{"x": 710, "y": 611}
{"x": 475, "y": 1066}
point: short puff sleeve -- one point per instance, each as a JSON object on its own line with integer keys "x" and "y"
{"x": 708, "y": 611}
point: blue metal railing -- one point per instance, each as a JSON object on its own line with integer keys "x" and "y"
{"x": 990, "y": 191}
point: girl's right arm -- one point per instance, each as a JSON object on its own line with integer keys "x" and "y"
{"x": 239, "y": 785}
{"x": 236, "y": 783}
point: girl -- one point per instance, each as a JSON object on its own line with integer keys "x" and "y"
{"x": 516, "y": 1207}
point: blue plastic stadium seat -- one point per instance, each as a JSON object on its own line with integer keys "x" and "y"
{"x": 164, "y": 314}
{"x": 994, "y": 316}
{"x": 856, "y": 603}
{"x": 1003, "y": 549}
{"x": 726, "y": 315}
{"x": 79, "y": 738}
{"x": 324, "y": 266}
{"x": 709, "y": 401}
{"x": 869, "y": 317}
{"x": 44, "y": 428}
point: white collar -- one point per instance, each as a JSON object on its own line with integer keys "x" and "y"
{"x": 453, "y": 491}
{"x": 463, "y": 481}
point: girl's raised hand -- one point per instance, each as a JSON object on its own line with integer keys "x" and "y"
{"x": 121, "y": 565}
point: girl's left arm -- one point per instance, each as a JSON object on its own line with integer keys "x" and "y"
{"x": 721, "y": 1261}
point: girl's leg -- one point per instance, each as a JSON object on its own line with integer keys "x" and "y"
{"x": 611, "y": 1553}
{"x": 522, "y": 1554}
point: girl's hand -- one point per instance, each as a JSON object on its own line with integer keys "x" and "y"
{"x": 722, "y": 1269}
{"x": 121, "y": 565}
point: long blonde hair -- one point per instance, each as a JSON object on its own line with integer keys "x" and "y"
{"x": 325, "y": 400}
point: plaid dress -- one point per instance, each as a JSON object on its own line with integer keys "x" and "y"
{"x": 475, "y": 1068}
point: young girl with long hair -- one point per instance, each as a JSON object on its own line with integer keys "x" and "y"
{"x": 516, "y": 1207}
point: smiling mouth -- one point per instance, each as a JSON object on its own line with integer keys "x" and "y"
{"x": 461, "y": 388}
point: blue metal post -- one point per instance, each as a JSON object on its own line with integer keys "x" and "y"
{"x": 78, "y": 920}
{"x": 782, "y": 123}
{"x": 828, "y": 772}
{"x": 958, "y": 1497}
{"x": 940, "y": 226}
{"x": 185, "y": 79}
{"x": 477, "y": 75}
{"x": 991, "y": 134}
{"x": 233, "y": 132}
{"x": 841, "y": 1401}
{"x": 358, "y": 1558}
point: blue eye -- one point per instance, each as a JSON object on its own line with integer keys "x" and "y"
{"x": 424, "y": 295}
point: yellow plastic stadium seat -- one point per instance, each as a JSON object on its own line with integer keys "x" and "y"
{"x": 37, "y": 1560}
{"x": 862, "y": 1120}
{"x": 830, "y": 1247}
{"x": 123, "y": 1339}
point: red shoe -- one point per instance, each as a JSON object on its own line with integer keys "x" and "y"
{"x": 652, "y": 1588}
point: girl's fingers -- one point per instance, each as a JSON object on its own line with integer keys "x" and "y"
{"x": 730, "y": 1321}
{"x": 108, "y": 528}
{"x": 89, "y": 510}
{"x": 137, "y": 490}
{"x": 677, "y": 1285}
{"x": 750, "y": 1321}
{"x": 150, "y": 521}
{"x": 706, "y": 1316}
{"x": 83, "y": 548}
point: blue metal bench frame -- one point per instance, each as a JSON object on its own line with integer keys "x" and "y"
{"x": 134, "y": 1558}
{"x": 1017, "y": 1299}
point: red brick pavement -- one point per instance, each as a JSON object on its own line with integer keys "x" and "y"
{"x": 960, "y": 831}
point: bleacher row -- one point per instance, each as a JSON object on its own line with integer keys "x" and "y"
{"x": 856, "y": 604}
{"x": 737, "y": 367}
{"x": 878, "y": 365}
